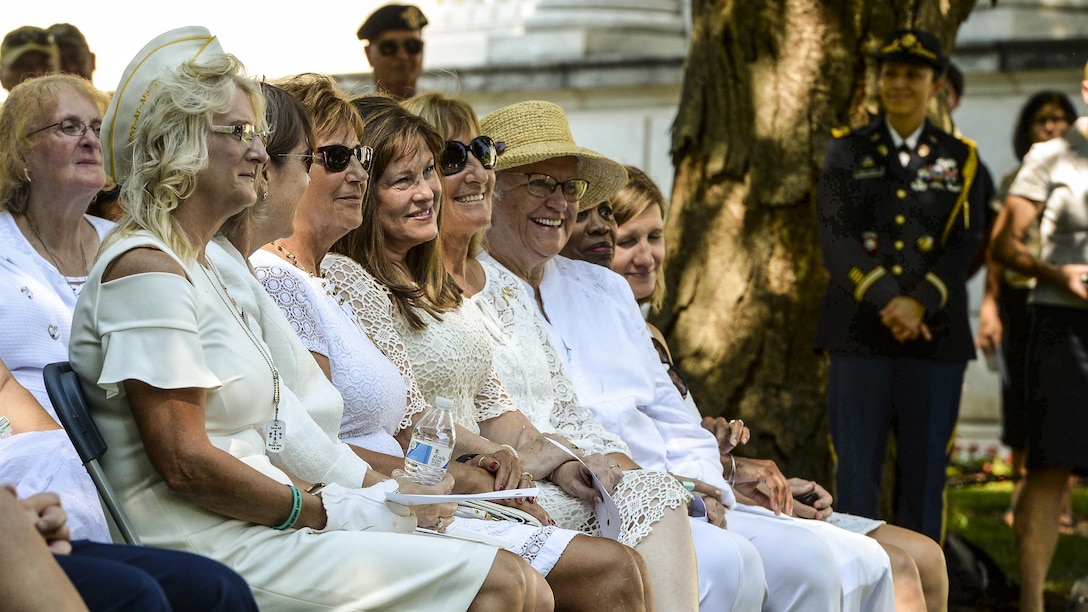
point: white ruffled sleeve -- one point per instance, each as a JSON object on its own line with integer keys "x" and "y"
{"x": 148, "y": 325}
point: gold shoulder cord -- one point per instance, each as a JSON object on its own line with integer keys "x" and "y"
{"x": 970, "y": 169}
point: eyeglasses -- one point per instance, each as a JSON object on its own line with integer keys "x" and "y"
{"x": 454, "y": 157}
{"x": 72, "y": 127}
{"x": 245, "y": 133}
{"x": 35, "y": 35}
{"x": 307, "y": 158}
{"x": 336, "y": 158}
{"x": 542, "y": 186}
{"x": 1045, "y": 119}
{"x": 389, "y": 48}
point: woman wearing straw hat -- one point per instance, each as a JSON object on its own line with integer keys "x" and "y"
{"x": 188, "y": 397}
{"x": 594, "y": 323}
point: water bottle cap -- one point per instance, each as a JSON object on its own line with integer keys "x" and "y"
{"x": 444, "y": 403}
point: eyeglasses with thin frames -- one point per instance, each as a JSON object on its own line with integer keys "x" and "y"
{"x": 307, "y": 158}
{"x": 389, "y": 48}
{"x": 543, "y": 185}
{"x": 336, "y": 157}
{"x": 245, "y": 133}
{"x": 72, "y": 127}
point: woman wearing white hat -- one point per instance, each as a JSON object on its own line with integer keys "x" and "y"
{"x": 188, "y": 397}
{"x": 594, "y": 322}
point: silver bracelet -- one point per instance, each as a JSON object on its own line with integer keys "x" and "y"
{"x": 512, "y": 450}
{"x": 733, "y": 473}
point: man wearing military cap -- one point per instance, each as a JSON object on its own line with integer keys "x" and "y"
{"x": 27, "y": 51}
{"x": 395, "y": 48}
{"x": 900, "y": 212}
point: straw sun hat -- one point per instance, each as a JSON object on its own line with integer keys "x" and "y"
{"x": 535, "y": 131}
{"x": 138, "y": 84}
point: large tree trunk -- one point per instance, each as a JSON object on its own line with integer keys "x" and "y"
{"x": 764, "y": 84}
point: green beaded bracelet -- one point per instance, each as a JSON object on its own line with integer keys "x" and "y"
{"x": 296, "y": 510}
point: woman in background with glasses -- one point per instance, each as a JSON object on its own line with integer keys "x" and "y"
{"x": 50, "y": 170}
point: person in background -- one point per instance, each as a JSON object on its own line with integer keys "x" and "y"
{"x": 594, "y": 236}
{"x": 75, "y": 55}
{"x": 1003, "y": 314}
{"x": 1050, "y": 189}
{"x": 50, "y": 169}
{"x": 27, "y": 51}
{"x": 395, "y": 48}
{"x": 900, "y": 215}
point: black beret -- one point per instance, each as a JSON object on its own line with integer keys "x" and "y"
{"x": 392, "y": 17}
{"x": 913, "y": 47}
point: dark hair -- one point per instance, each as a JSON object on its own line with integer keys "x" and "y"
{"x": 290, "y": 123}
{"x": 954, "y": 76}
{"x": 390, "y": 130}
{"x": 1021, "y": 136}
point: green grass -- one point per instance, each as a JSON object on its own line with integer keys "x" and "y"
{"x": 977, "y": 511}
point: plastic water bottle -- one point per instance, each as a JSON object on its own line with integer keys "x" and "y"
{"x": 5, "y": 427}
{"x": 432, "y": 444}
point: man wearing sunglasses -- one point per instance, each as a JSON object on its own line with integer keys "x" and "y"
{"x": 27, "y": 51}
{"x": 395, "y": 48}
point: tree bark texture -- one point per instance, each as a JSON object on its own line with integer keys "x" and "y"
{"x": 765, "y": 82}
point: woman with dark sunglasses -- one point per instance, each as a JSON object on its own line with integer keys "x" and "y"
{"x": 412, "y": 309}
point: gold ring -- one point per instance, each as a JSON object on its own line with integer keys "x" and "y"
{"x": 527, "y": 475}
{"x": 480, "y": 461}
{"x": 438, "y": 525}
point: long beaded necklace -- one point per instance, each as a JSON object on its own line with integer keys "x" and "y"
{"x": 73, "y": 284}
{"x": 324, "y": 279}
{"x": 277, "y": 429}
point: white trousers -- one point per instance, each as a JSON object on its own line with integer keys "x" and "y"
{"x": 731, "y": 574}
{"x": 811, "y": 565}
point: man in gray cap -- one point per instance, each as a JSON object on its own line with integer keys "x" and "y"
{"x": 75, "y": 54}
{"x": 27, "y": 51}
{"x": 395, "y": 48}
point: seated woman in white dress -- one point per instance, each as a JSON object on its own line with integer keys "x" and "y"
{"x": 291, "y": 270}
{"x": 182, "y": 386}
{"x": 532, "y": 375}
{"x": 52, "y": 168}
{"x": 606, "y": 351}
{"x": 638, "y": 225}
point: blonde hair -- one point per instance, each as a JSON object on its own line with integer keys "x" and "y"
{"x": 450, "y": 117}
{"x": 390, "y": 131}
{"x": 632, "y": 200}
{"x": 29, "y": 105}
{"x": 170, "y": 145}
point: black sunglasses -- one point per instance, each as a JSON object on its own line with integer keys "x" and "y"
{"x": 390, "y": 47}
{"x": 454, "y": 157}
{"x": 336, "y": 158}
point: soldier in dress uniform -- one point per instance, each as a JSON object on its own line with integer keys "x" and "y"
{"x": 900, "y": 214}
{"x": 394, "y": 35}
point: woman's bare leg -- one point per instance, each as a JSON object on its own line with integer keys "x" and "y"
{"x": 927, "y": 558}
{"x": 513, "y": 585}
{"x": 600, "y": 574}
{"x": 670, "y": 556}
{"x": 1036, "y": 529}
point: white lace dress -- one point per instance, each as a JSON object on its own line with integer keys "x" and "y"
{"x": 472, "y": 384}
{"x": 532, "y": 373}
{"x": 373, "y": 388}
